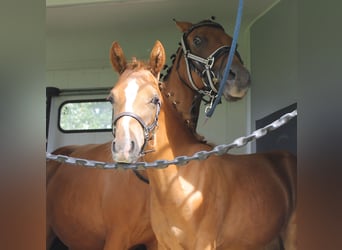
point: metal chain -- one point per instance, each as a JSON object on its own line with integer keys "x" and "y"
{"x": 180, "y": 160}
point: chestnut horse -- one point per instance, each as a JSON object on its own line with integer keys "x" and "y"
{"x": 88, "y": 208}
{"x": 224, "y": 202}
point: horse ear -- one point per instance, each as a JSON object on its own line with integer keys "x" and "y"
{"x": 117, "y": 58}
{"x": 157, "y": 58}
{"x": 183, "y": 26}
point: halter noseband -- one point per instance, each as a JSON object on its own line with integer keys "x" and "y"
{"x": 209, "y": 88}
{"x": 148, "y": 129}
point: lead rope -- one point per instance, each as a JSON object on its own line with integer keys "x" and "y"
{"x": 209, "y": 112}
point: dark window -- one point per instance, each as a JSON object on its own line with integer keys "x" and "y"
{"x": 283, "y": 138}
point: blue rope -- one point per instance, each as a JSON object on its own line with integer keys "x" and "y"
{"x": 230, "y": 59}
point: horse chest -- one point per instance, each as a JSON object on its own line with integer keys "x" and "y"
{"x": 180, "y": 214}
{"x": 179, "y": 195}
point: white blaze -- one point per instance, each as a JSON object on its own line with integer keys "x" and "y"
{"x": 131, "y": 92}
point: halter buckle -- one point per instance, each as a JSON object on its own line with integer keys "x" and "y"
{"x": 210, "y": 62}
{"x": 209, "y": 106}
{"x": 210, "y": 103}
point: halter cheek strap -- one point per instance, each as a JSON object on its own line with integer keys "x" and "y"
{"x": 206, "y": 72}
{"x": 207, "y": 63}
{"x": 148, "y": 129}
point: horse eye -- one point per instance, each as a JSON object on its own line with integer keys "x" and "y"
{"x": 155, "y": 100}
{"x": 197, "y": 40}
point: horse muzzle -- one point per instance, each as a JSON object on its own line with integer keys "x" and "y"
{"x": 127, "y": 152}
{"x": 238, "y": 83}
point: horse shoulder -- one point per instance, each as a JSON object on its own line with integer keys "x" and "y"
{"x": 285, "y": 164}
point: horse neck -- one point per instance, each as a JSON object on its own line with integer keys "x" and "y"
{"x": 172, "y": 138}
{"x": 177, "y": 89}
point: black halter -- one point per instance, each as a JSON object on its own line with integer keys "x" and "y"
{"x": 203, "y": 66}
{"x": 148, "y": 129}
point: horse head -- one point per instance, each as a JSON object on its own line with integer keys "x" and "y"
{"x": 206, "y": 47}
{"x": 135, "y": 119}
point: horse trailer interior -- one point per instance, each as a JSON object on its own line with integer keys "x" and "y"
{"x": 278, "y": 41}
{"x": 79, "y": 35}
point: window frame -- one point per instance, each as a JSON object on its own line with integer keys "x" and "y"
{"x": 81, "y": 130}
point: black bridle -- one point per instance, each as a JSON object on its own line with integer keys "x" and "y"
{"x": 148, "y": 129}
{"x": 203, "y": 66}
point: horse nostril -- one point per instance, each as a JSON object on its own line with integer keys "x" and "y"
{"x": 231, "y": 75}
{"x": 113, "y": 146}
{"x": 132, "y": 147}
